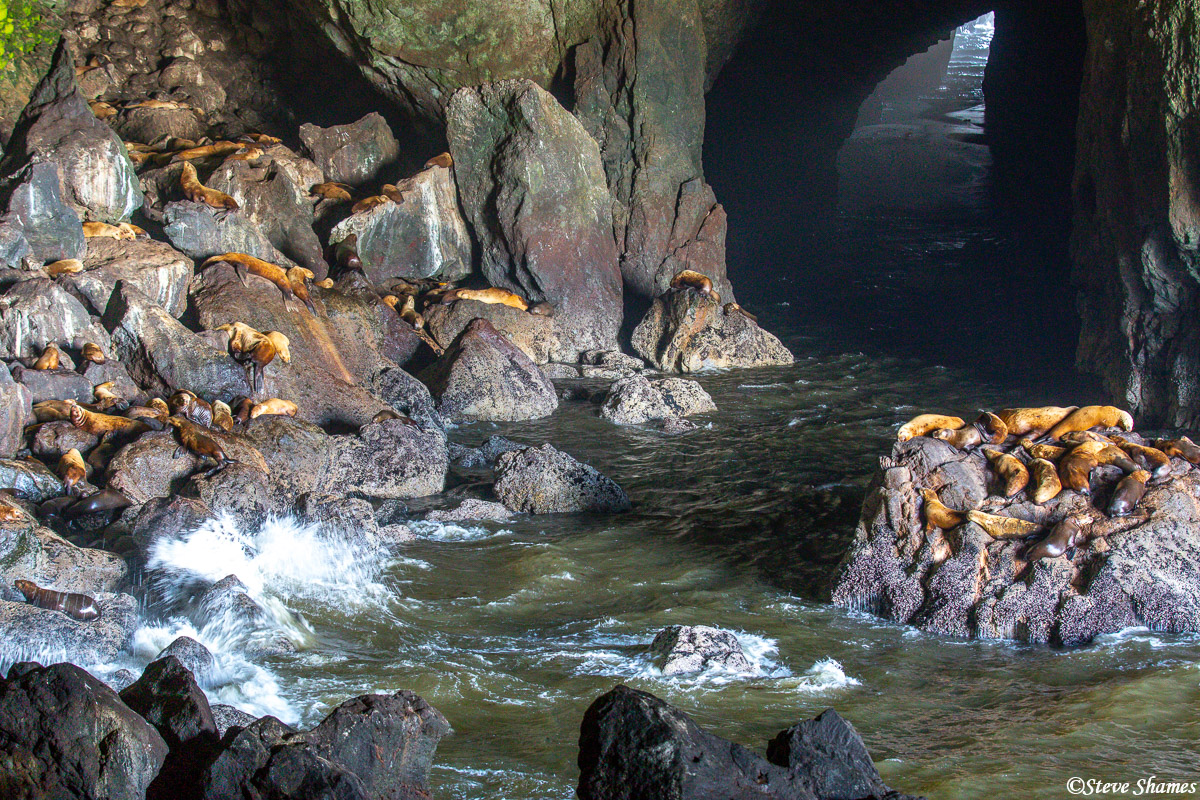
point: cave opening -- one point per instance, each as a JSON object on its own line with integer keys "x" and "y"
{"x": 889, "y": 194}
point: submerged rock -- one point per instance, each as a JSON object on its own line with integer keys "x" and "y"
{"x": 65, "y": 734}
{"x": 636, "y": 399}
{"x": 680, "y": 649}
{"x": 543, "y": 480}
{"x": 470, "y": 510}
{"x": 686, "y": 332}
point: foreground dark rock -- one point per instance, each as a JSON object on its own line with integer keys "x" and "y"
{"x": 543, "y": 480}
{"x": 633, "y": 745}
{"x": 1143, "y": 569}
{"x": 65, "y": 734}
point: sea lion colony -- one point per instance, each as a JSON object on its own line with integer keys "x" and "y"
{"x": 1037, "y": 454}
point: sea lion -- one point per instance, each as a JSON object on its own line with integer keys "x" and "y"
{"x": 391, "y": 193}
{"x": 243, "y": 264}
{"x": 542, "y": 309}
{"x": 1034, "y": 421}
{"x": 1011, "y": 471}
{"x": 924, "y": 424}
{"x": 1183, "y": 447}
{"x": 242, "y": 413}
{"x": 391, "y": 301}
{"x": 10, "y": 513}
{"x": 169, "y": 105}
{"x": 72, "y": 470}
{"x": 1107, "y": 454}
{"x": 197, "y": 192}
{"x": 102, "y": 110}
{"x": 222, "y": 148}
{"x": 492, "y": 296}
{"x": 222, "y": 416}
{"x": 92, "y": 352}
{"x": 345, "y": 253}
{"x": 333, "y": 191}
{"x": 102, "y": 230}
{"x": 1128, "y": 494}
{"x": 1079, "y": 437}
{"x": 49, "y": 358}
{"x": 324, "y": 283}
{"x": 66, "y": 266}
{"x": 1082, "y": 419}
{"x": 192, "y": 408}
{"x": 102, "y": 453}
{"x": 938, "y": 515}
{"x": 262, "y": 138}
{"x": 147, "y": 413}
{"x": 1155, "y": 461}
{"x": 74, "y": 605}
{"x": 283, "y": 408}
{"x": 98, "y": 503}
{"x": 299, "y": 277}
{"x": 1003, "y": 527}
{"x": 1049, "y": 452}
{"x": 1075, "y": 470}
{"x": 408, "y": 313}
{"x": 440, "y": 160}
{"x": 106, "y": 398}
{"x": 387, "y": 413}
{"x": 964, "y": 438}
{"x": 992, "y": 427}
{"x": 52, "y": 410}
{"x": 368, "y": 203}
{"x": 99, "y": 424}
{"x": 251, "y": 153}
{"x": 1065, "y": 535}
{"x": 734, "y": 308}
{"x": 690, "y": 279}
{"x": 1044, "y": 477}
{"x": 192, "y": 438}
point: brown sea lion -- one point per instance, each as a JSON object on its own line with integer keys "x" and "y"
{"x": 72, "y": 470}
{"x": 1044, "y": 477}
{"x": 243, "y": 264}
{"x": 1012, "y": 472}
{"x": 924, "y": 424}
{"x": 690, "y": 279}
{"x": 197, "y": 192}
{"x": 440, "y": 160}
{"x": 391, "y": 193}
{"x": 1183, "y": 447}
{"x": 1033, "y": 421}
{"x": 1082, "y": 419}
{"x": 283, "y": 408}
{"x": 66, "y": 266}
{"x": 98, "y": 503}
{"x": 992, "y": 427}
{"x": 299, "y": 277}
{"x": 938, "y": 515}
{"x": 52, "y": 410}
{"x": 964, "y": 438}
{"x": 106, "y": 398}
{"x": 1065, "y": 535}
{"x": 734, "y": 308}
{"x": 1107, "y": 454}
{"x": 222, "y": 148}
{"x": 99, "y": 424}
{"x": 1075, "y": 470}
{"x": 92, "y": 352}
{"x": 368, "y": 203}
{"x": 1128, "y": 494}
{"x": 387, "y": 413}
{"x": 542, "y": 309}
{"x": 242, "y": 411}
{"x": 49, "y": 358}
{"x": 1003, "y": 527}
{"x": 1049, "y": 452}
{"x": 345, "y": 253}
{"x": 492, "y": 295}
{"x": 192, "y": 408}
{"x": 146, "y": 413}
{"x": 333, "y": 191}
{"x": 1155, "y": 461}
{"x": 74, "y": 605}
{"x": 222, "y": 416}
{"x": 193, "y": 438}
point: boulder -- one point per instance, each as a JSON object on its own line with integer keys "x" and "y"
{"x": 16, "y": 411}
{"x": 389, "y": 459}
{"x": 1143, "y": 569}
{"x": 36, "y": 312}
{"x": 151, "y": 467}
{"x": 409, "y": 396}
{"x": 542, "y": 480}
{"x": 298, "y": 454}
{"x": 114, "y": 371}
{"x": 44, "y": 635}
{"x": 229, "y": 599}
{"x": 242, "y": 490}
{"x": 14, "y": 247}
{"x": 154, "y": 124}
{"x": 167, "y": 518}
{"x": 53, "y": 384}
{"x": 483, "y": 456}
{"x": 164, "y": 356}
{"x": 226, "y": 717}
{"x": 483, "y": 376}
{"x": 532, "y": 333}
{"x": 65, "y": 734}
{"x": 422, "y": 236}
{"x": 532, "y": 185}
{"x": 168, "y": 697}
{"x": 155, "y": 269}
{"x": 20, "y": 550}
{"x": 49, "y": 229}
{"x": 63, "y": 566}
{"x": 29, "y": 479}
{"x": 470, "y": 510}
{"x": 634, "y": 400}
{"x": 359, "y": 153}
{"x": 96, "y": 178}
{"x": 686, "y": 332}
{"x": 200, "y": 231}
{"x": 632, "y": 744}
{"x": 53, "y": 439}
{"x": 192, "y": 657}
{"x": 680, "y": 649}
{"x": 349, "y": 519}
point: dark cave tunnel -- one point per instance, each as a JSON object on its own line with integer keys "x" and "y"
{"x": 987, "y": 287}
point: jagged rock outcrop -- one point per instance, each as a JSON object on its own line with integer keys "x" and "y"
{"x": 1126, "y": 571}
{"x": 685, "y": 331}
{"x": 359, "y": 153}
{"x": 533, "y": 188}
{"x": 156, "y": 269}
{"x": 38, "y": 312}
{"x": 40, "y": 226}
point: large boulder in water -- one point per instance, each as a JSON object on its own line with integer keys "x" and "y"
{"x": 1142, "y": 569}
{"x": 532, "y": 186}
{"x": 685, "y": 331}
{"x": 358, "y": 153}
{"x": 634, "y": 745}
{"x": 389, "y": 459}
{"x": 680, "y": 649}
{"x": 636, "y": 399}
{"x": 58, "y": 127}
{"x": 484, "y": 376}
{"x": 65, "y": 734}
{"x": 543, "y": 480}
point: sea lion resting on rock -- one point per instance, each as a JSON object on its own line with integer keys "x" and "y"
{"x": 1033, "y": 421}
{"x": 92, "y": 352}
{"x": 1003, "y": 527}
{"x": 1065, "y": 535}
{"x": 690, "y": 279}
{"x": 72, "y": 470}
{"x": 964, "y": 438}
{"x": 187, "y": 405}
{"x": 492, "y": 295}
{"x": 1183, "y": 447}
{"x": 98, "y": 503}
{"x": 66, "y": 266}
{"x": 938, "y": 515}
{"x": 197, "y": 192}
{"x": 104, "y": 424}
{"x": 1082, "y": 419}
{"x": 1151, "y": 459}
{"x": 333, "y": 191}
{"x": 927, "y": 423}
{"x": 49, "y": 358}
{"x": 1128, "y": 494}
{"x": 283, "y": 408}
{"x": 345, "y": 253}
{"x": 123, "y": 231}
{"x": 1044, "y": 477}
{"x": 193, "y": 439}
{"x": 74, "y": 605}
{"x": 1010, "y": 470}
{"x": 243, "y": 263}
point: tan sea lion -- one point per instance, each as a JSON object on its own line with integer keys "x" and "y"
{"x": 92, "y": 352}
{"x": 52, "y": 410}
{"x": 222, "y": 416}
{"x": 993, "y": 428}
{"x": 964, "y": 438}
{"x": 283, "y": 408}
{"x": 1011, "y": 471}
{"x": 99, "y": 424}
{"x": 1044, "y": 477}
{"x": 299, "y": 277}
{"x": 102, "y": 110}
{"x": 938, "y": 515}
{"x": 243, "y": 263}
{"x": 492, "y": 295}
{"x": 72, "y": 470}
{"x": 1151, "y": 459}
{"x": 440, "y": 160}
{"x": 193, "y": 438}
{"x": 734, "y": 308}
{"x": 1049, "y": 452}
{"x": 368, "y": 203}
{"x": 222, "y": 148}
{"x": 1079, "y": 437}
{"x": 252, "y": 153}
{"x": 147, "y": 413}
{"x": 66, "y": 266}
{"x": 74, "y": 605}
{"x": 106, "y": 398}
{"x": 1082, "y": 419}
{"x": 1107, "y": 454}
{"x": 924, "y": 424}
{"x": 391, "y": 300}
{"x": 333, "y": 191}
{"x": 262, "y": 138}
{"x": 168, "y": 105}
{"x": 1183, "y": 447}
{"x": 1003, "y": 527}
{"x": 49, "y": 358}
{"x": 1065, "y": 535}
{"x": 192, "y": 408}
{"x": 1075, "y": 470}
{"x": 123, "y": 231}
{"x": 324, "y": 283}
{"x": 10, "y": 513}
{"x": 1034, "y": 421}
{"x": 197, "y": 192}
{"x": 1128, "y": 494}
{"x": 690, "y": 279}
{"x": 542, "y": 309}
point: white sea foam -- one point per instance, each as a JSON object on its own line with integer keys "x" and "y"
{"x": 452, "y": 532}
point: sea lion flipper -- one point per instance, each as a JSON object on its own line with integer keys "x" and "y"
{"x": 180, "y": 450}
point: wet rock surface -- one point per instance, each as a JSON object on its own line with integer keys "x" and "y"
{"x": 681, "y": 649}
{"x": 686, "y": 332}
{"x": 543, "y": 480}
{"x": 635, "y": 399}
